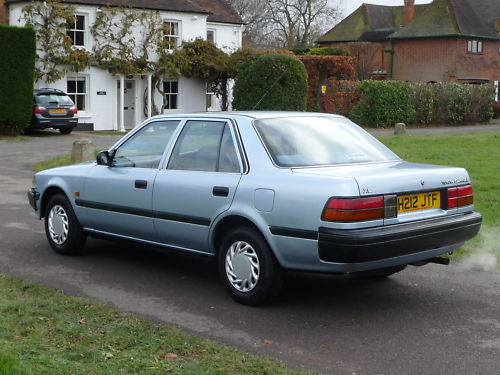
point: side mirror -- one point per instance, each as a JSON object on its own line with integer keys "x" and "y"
{"x": 103, "y": 158}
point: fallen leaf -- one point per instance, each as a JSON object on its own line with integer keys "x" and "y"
{"x": 108, "y": 356}
{"x": 170, "y": 356}
{"x": 82, "y": 321}
{"x": 268, "y": 342}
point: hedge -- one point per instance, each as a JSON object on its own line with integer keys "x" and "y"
{"x": 270, "y": 81}
{"x": 384, "y": 103}
{"x": 17, "y": 67}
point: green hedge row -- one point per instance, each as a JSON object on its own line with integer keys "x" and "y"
{"x": 384, "y": 103}
{"x": 270, "y": 81}
{"x": 17, "y": 67}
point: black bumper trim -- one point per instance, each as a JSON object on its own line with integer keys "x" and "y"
{"x": 33, "y": 197}
{"x": 296, "y": 233}
{"x": 365, "y": 245}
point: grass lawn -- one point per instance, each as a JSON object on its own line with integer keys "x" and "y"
{"x": 44, "y": 332}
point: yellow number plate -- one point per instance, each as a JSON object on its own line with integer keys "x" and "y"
{"x": 422, "y": 201}
{"x": 57, "y": 111}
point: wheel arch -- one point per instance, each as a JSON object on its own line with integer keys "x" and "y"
{"x": 47, "y": 194}
{"x": 229, "y": 222}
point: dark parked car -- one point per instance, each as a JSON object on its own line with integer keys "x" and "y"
{"x": 53, "y": 108}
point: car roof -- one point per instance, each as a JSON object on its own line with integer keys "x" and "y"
{"x": 49, "y": 91}
{"x": 249, "y": 114}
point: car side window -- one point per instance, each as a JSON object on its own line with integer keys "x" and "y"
{"x": 205, "y": 146}
{"x": 145, "y": 148}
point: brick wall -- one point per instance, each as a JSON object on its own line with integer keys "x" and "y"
{"x": 444, "y": 59}
{"x": 3, "y": 12}
{"x": 370, "y": 55}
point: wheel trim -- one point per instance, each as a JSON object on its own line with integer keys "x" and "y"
{"x": 58, "y": 224}
{"x": 242, "y": 266}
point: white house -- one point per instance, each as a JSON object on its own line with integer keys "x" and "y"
{"x": 115, "y": 102}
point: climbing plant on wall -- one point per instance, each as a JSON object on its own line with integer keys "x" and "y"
{"x": 55, "y": 53}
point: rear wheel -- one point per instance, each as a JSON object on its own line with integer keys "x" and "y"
{"x": 63, "y": 231}
{"x": 248, "y": 268}
{"x": 65, "y": 130}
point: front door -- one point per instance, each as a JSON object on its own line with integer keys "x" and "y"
{"x": 129, "y": 100}
{"x": 118, "y": 199}
{"x": 198, "y": 184}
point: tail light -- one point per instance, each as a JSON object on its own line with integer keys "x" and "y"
{"x": 460, "y": 196}
{"x": 74, "y": 110}
{"x": 39, "y": 109}
{"x": 357, "y": 209}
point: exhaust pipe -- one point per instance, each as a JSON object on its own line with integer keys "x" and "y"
{"x": 436, "y": 260}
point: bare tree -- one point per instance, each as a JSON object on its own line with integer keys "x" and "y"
{"x": 286, "y": 23}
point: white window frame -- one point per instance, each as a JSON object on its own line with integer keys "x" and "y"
{"x": 74, "y": 30}
{"x": 177, "y": 94}
{"x": 172, "y": 37}
{"x": 214, "y": 32}
{"x": 209, "y": 96}
{"x": 475, "y": 46}
{"x": 86, "y": 96}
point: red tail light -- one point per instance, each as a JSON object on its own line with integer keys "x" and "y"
{"x": 73, "y": 110}
{"x": 39, "y": 109}
{"x": 460, "y": 196}
{"x": 354, "y": 209}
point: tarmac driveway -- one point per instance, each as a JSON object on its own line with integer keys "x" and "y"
{"x": 430, "y": 320}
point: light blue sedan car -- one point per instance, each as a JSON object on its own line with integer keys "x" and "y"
{"x": 263, "y": 192}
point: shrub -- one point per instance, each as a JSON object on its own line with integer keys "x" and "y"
{"x": 17, "y": 69}
{"x": 270, "y": 82}
{"x": 329, "y": 51}
{"x": 384, "y": 103}
{"x": 423, "y": 96}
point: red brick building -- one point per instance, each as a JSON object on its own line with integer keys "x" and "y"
{"x": 446, "y": 40}
{"x": 3, "y": 12}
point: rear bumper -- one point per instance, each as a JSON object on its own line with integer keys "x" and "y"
{"x": 44, "y": 122}
{"x": 375, "y": 244}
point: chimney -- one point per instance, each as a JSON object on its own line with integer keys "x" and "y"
{"x": 408, "y": 11}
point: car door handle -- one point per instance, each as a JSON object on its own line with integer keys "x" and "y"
{"x": 141, "y": 184}
{"x": 220, "y": 191}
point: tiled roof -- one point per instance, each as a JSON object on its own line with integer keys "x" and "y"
{"x": 218, "y": 10}
{"x": 440, "y": 18}
{"x": 368, "y": 22}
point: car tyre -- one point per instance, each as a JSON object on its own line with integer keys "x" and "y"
{"x": 63, "y": 231}
{"x": 248, "y": 268}
{"x": 65, "y": 130}
{"x": 381, "y": 273}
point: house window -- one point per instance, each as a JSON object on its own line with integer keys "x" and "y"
{"x": 211, "y": 35}
{"x": 474, "y": 46}
{"x": 78, "y": 92}
{"x": 171, "y": 33}
{"x": 209, "y": 97}
{"x": 171, "y": 91}
{"x": 76, "y": 31}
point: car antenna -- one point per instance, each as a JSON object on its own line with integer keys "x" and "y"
{"x": 268, "y": 90}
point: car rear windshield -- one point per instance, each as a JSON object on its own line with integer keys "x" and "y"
{"x": 51, "y": 98}
{"x": 319, "y": 141}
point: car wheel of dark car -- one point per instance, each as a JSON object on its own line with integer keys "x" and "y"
{"x": 64, "y": 232}
{"x": 65, "y": 130}
{"x": 380, "y": 273}
{"x": 248, "y": 268}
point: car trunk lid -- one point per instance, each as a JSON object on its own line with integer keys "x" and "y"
{"x": 404, "y": 180}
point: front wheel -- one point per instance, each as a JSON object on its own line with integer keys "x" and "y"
{"x": 63, "y": 231}
{"x": 248, "y": 268}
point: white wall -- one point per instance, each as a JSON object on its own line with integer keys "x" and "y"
{"x": 102, "y": 110}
